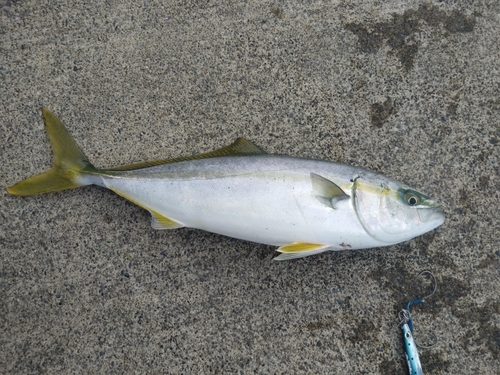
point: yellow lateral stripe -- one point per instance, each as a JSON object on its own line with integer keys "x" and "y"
{"x": 298, "y": 247}
{"x": 163, "y": 220}
{"x": 375, "y": 189}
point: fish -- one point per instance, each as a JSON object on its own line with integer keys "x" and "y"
{"x": 301, "y": 206}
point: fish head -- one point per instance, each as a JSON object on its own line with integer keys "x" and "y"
{"x": 392, "y": 212}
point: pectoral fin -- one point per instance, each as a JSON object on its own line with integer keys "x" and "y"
{"x": 299, "y": 250}
{"x": 326, "y": 191}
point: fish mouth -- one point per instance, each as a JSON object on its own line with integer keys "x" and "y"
{"x": 431, "y": 215}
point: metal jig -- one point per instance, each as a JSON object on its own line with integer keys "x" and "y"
{"x": 405, "y": 321}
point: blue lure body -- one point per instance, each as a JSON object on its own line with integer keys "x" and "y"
{"x": 414, "y": 364}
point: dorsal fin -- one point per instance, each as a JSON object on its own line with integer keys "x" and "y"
{"x": 240, "y": 147}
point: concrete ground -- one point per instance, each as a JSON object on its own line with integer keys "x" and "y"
{"x": 407, "y": 88}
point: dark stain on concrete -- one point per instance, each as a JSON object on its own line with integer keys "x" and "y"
{"x": 424, "y": 242}
{"x": 327, "y": 323}
{"x": 399, "y": 32}
{"x": 361, "y": 330}
{"x": 436, "y": 257}
{"x": 449, "y": 290}
{"x": 433, "y": 362}
{"x": 365, "y": 330}
{"x": 484, "y": 182}
{"x": 393, "y": 366}
{"x": 277, "y": 12}
{"x": 463, "y": 200}
{"x": 324, "y": 323}
{"x": 442, "y": 131}
{"x": 458, "y": 22}
{"x": 380, "y": 112}
{"x": 489, "y": 261}
{"x": 486, "y": 335}
{"x": 452, "y": 107}
{"x": 406, "y": 287}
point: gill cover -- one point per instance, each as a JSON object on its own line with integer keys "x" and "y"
{"x": 389, "y": 213}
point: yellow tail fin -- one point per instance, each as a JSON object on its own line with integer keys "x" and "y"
{"x": 69, "y": 160}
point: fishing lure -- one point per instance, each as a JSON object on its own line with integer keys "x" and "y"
{"x": 405, "y": 321}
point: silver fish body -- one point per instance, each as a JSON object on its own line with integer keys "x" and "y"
{"x": 303, "y": 206}
{"x": 267, "y": 199}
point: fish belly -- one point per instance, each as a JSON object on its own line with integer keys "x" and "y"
{"x": 274, "y": 208}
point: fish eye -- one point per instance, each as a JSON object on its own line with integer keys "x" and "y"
{"x": 408, "y": 335}
{"x": 412, "y": 199}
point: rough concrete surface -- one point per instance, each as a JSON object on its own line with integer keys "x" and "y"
{"x": 407, "y": 88}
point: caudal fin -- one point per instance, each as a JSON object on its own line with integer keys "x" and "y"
{"x": 69, "y": 162}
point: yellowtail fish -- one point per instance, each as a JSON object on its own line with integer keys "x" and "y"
{"x": 302, "y": 206}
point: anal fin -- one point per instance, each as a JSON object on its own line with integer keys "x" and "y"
{"x": 299, "y": 250}
{"x": 161, "y": 222}
{"x": 158, "y": 221}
